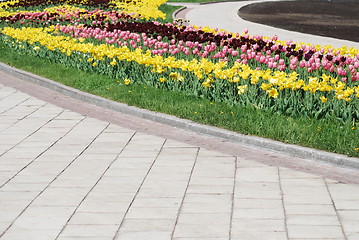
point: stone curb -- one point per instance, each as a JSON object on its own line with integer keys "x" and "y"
{"x": 289, "y": 149}
{"x": 175, "y": 13}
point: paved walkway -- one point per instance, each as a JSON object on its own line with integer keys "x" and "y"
{"x": 73, "y": 171}
{"x": 224, "y": 16}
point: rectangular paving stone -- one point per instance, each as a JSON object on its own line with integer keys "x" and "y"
{"x": 262, "y": 225}
{"x": 310, "y": 220}
{"x": 204, "y": 152}
{"x": 156, "y": 202}
{"x": 207, "y": 198}
{"x": 200, "y": 238}
{"x": 104, "y": 206}
{"x": 346, "y": 204}
{"x": 115, "y": 188}
{"x": 231, "y": 161}
{"x": 11, "y": 204}
{"x": 307, "y": 199}
{"x": 344, "y": 191}
{"x": 48, "y": 211}
{"x": 261, "y": 190}
{"x": 321, "y": 232}
{"x": 96, "y": 218}
{"x": 258, "y": 203}
{"x": 174, "y": 163}
{"x": 84, "y": 238}
{"x": 136, "y": 154}
{"x": 255, "y": 234}
{"x": 26, "y": 187}
{"x": 152, "y": 213}
{"x": 219, "y": 207}
{"x": 73, "y": 183}
{"x": 164, "y": 185}
{"x": 61, "y": 197}
{"x": 212, "y": 218}
{"x": 174, "y": 143}
{"x": 30, "y": 234}
{"x": 148, "y": 235}
{"x": 161, "y": 192}
{"x": 89, "y": 230}
{"x": 198, "y": 230}
{"x": 181, "y": 151}
{"x": 245, "y": 163}
{"x": 212, "y": 181}
{"x": 352, "y": 236}
{"x": 271, "y": 213}
{"x": 257, "y": 174}
{"x": 349, "y": 215}
{"x": 14, "y": 168}
{"x": 350, "y": 227}
{"x": 213, "y": 172}
{"x": 305, "y": 191}
{"x": 292, "y": 174}
{"x": 310, "y": 209}
{"x": 178, "y": 176}
{"x": 144, "y": 225}
{"x": 10, "y": 214}
{"x": 15, "y": 196}
{"x": 41, "y": 223}
{"x": 209, "y": 189}
{"x": 292, "y": 182}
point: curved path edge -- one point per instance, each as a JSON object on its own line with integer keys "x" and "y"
{"x": 289, "y": 149}
{"x": 207, "y": 15}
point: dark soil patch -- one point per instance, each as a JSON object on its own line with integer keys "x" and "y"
{"x": 337, "y": 19}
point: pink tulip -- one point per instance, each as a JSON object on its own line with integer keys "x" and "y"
{"x": 234, "y": 53}
{"x": 302, "y": 64}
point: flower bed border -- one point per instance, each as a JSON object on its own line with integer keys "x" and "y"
{"x": 253, "y": 141}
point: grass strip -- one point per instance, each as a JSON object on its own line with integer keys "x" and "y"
{"x": 169, "y": 10}
{"x": 329, "y": 134}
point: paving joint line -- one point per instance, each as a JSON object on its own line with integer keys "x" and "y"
{"x": 185, "y": 193}
{"x": 282, "y": 202}
{"x": 188, "y": 125}
{"x": 335, "y": 209}
{"x": 233, "y": 196}
{"x": 139, "y": 187}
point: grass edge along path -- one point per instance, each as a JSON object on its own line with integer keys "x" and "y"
{"x": 328, "y": 135}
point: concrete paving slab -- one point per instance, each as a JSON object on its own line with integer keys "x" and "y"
{"x": 149, "y": 235}
{"x": 102, "y": 231}
{"x": 255, "y": 234}
{"x": 139, "y": 225}
{"x": 201, "y": 230}
{"x": 312, "y": 220}
{"x": 320, "y": 232}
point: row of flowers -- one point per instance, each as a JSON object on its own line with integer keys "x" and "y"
{"x": 292, "y": 78}
{"x": 220, "y": 81}
{"x": 140, "y": 8}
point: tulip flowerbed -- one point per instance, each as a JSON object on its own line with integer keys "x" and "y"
{"x": 129, "y": 41}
